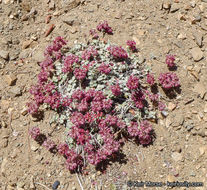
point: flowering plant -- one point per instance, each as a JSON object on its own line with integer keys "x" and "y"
{"x": 92, "y": 88}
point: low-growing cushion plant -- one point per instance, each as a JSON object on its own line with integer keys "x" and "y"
{"x": 101, "y": 94}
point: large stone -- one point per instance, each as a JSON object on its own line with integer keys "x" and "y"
{"x": 196, "y": 53}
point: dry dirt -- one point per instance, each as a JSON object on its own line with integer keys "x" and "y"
{"x": 178, "y": 27}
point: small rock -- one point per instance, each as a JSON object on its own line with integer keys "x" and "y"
{"x": 175, "y": 7}
{"x": 170, "y": 178}
{"x": 10, "y": 79}
{"x": 55, "y": 185}
{"x": 24, "y": 111}
{"x": 192, "y": 4}
{"x": 205, "y": 108}
{"x": 202, "y": 150}
{"x": 198, "y": 38}
{"x": 34, "y": 147}
{"x": 38, "y": 56}
{"x": 165, "y": 113}
{"x": 171, "y": 106}
{"x": 166, "y": 5}
{"x": 10, "y": 187}
{"x": 192, "y": 173}
{"x": 6, "y": 1}
{"x": 26, "y": 44}
{"x": 57, "y": 13}
{"x": 200, "y": 89}
{"x": 20, "y": 184}
{"x": 4, "y": 54}
{"x": 197, "y": 54}
{"x": 182, "y": 36}
{"x": 32, "y": 185}
{"x": 177, "y": 156}
{"x": 181, "y": 17}
{"x": 3, "y": 166}
{"x": 73, "y": 30}
{"x": 69, "y": 21}
{"x": 15, "y": 91}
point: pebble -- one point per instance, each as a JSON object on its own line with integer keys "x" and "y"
{"x": 198, "y": 38}
{"x": 55, "y": 185}
{"x": 200, "y": 89}
{"x": 69, "y": 21}
{"x": 24, "y": 110}
{"x": 205, "y": 108}
{"x": 175, "y": 7}
{"x": 196, "y": 53}
{"x": 170, "y": 178}
{"x": 10, "y": 79}
{"x": 202, "y": 150}
{"x": 177, "y": 156}
{"x": 165, "y": 113}
{"x": 15, "y": 91}
{"x": 171, "y": 106}
{"x": 166, "y": 5}
{"x": 26, "y": 44}
{"x": 4, "y": 54}
{"x": 3, "y": 166}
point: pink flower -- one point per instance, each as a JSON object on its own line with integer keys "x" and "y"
{"x": 150, "y": 79}
{"x": 104, "y": 68}
{"x": 94, "y": 34}
{"x": 89, "y": 54}
{"x": 77, "y": 119}
{"x": 34, "y": 132}
{"x": 133, "y": 82}
{"x": 49, "y": 144}
{"x": 80, "y": 74}
{"x": 115, "y": 89}
{"x": 169, "y": 80}
{"x": 68, "y": 62}
{"x": 170, "y": 60}
{"x": 118, "y": 52}
{"x": 104, "y": 27}
{"x": 132, "y": 45}
{"x": 133, "y": 129}
{"x": 145, "y": 136}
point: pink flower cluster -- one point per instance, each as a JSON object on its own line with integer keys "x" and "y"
{"x": 133, "y": 82}
{"x": 94, "y": 34}
{"x": 170, "y": 60}
{"x": 150, "y": 79}
{"x": 118, "y": 52}
{"x": 44, "y": 91}
{"x": 80, "y": 74}
{"x": 104, "y": 68}
{"x": 169, "y": 80}
{"x": 104, "y": 27}
{"x": 34, "y": 132}
{"x": 89, "y": 54}
{"x": 115, "y": 89}
{"x": 132, "y": 45}
{"x": 138, "y": 97}
{"x": 143, "y": 132}
{"x": 54, "y": 49}
{"x": 68, "y": 63}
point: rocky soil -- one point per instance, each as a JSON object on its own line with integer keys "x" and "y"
{"x": 178, "y": 27}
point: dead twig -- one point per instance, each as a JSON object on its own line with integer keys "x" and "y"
{"x": 79, "y": 182}
{"x": 42, "y": 185}
{"x": 51, "y": 28}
